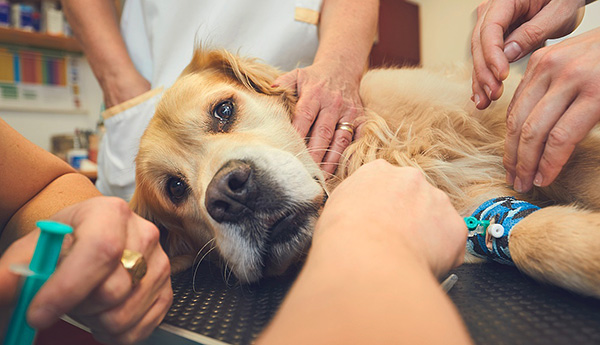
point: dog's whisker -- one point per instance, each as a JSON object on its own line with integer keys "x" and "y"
{"x": 224, "y": 272}
{"x": 230, "y": 273}
{"x": 284, "y": 147}
{"x": 228, "y": 276}
{"x": 326, "y": 151}
{"x": 197, "y": 267}
{"x": 201, "y": 249}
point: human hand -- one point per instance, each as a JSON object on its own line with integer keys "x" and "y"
{"x": 125, "y": 86}
{"x": 90, "y": 283}
{"x": 383, "y": 204}
{"x": 553, "y": 109}
{"x": 506, "y": 31}
{"x": 327, "y": 95}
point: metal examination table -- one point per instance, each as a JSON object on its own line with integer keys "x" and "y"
{"x": 498, "y": 303}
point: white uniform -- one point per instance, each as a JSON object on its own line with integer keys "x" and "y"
{"x": 160, "y": 37}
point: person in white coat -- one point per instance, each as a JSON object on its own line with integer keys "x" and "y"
{"x": 323, "y": 44}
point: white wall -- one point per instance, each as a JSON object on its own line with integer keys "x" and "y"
{"x": 446, "y": 27}
{"x": 40, "y": 127}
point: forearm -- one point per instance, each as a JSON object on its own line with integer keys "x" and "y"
{"x": 346, "y": 32}
{"x": 378, "y": 293}
{"x": 95, "y": 26}
{"x": 94, "y": 23}
{"x": 64, "y": 191}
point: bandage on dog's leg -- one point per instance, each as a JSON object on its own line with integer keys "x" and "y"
{"x": 560, "y": 245}
{"x": 495, "y": 220}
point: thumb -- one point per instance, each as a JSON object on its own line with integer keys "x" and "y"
{"x": 287, "y": 81}
{"x": 550, "y": 22}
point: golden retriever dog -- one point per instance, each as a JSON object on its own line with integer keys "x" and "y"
{"x": 221, "y": 169}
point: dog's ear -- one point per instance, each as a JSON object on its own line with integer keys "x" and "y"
{"x": 138, "y": 206}
{"x": 171, "y": 242}
{"x": 248, "y": 72}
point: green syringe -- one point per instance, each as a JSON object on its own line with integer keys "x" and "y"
{"x": 43, "y": 264}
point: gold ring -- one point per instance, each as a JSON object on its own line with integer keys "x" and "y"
{"x": 346, "y": 126}
{"x": 135, "y": 264}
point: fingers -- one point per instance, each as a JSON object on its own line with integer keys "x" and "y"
{"x": 341, "y": 139}
{"x": 323, "y": 103}
{"x": 553, "y": 20}
{"x": 127, "y": 314}
{"x": 287, "y": 81}
{"x": 327, "y": 142}
{"x": 95, "y": 254}
{"x": 572, "y": 127}
{"x": 486, "y": 86}
{"x": 142, "y": 237}
{"x": 142, "y": 329}
{"x": 128, "y": 318}
{"x": 448, "y": 250}
{"x": 91, "y": 282}
{"x": 536, "y": 133}
{"x": 498, "y": 18}
{"x": 308, "y": 105}
{"x": 529, "y": 92}
{"x": 306, "y": 112}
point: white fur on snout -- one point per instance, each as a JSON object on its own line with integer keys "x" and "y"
{"x": 241, "y": 257}
{"x": 283, "y": 168}
{"x": 296, "y": 184}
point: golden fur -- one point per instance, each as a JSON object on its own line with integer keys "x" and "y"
{"x": 413, "y": 118}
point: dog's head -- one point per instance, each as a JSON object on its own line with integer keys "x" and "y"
{"x": 220, "y": 165}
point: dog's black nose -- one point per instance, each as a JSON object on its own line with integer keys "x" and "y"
{"x": 231, "y": 192}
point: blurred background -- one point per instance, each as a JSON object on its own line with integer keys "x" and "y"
{"x": 49, "y": 94}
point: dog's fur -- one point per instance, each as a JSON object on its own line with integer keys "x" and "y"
{"x": 252, "y": 192}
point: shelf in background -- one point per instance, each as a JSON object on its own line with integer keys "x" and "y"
{"x": 33, "y": 109}
{"x": 38, "y": 40}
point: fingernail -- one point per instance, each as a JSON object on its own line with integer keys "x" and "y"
{"x": 518, "y": 185}
{"x": 477, "y": 100}
{"x": 488, "y": 91}
{"x": 495, "y": 71}
{"x": 512, "y": 51}
{"x": 275, "y": 85}
{"x": 537, "y": 181}
{"x": 509, "y": 179}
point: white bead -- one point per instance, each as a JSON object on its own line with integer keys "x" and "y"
{"x": 496, "y": 230}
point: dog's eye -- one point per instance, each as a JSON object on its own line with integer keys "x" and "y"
{"x": 224, "y": 110}
{"x": 177, "y": 189}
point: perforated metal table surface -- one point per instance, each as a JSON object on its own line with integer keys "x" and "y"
{"x": 498, "y": 303}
